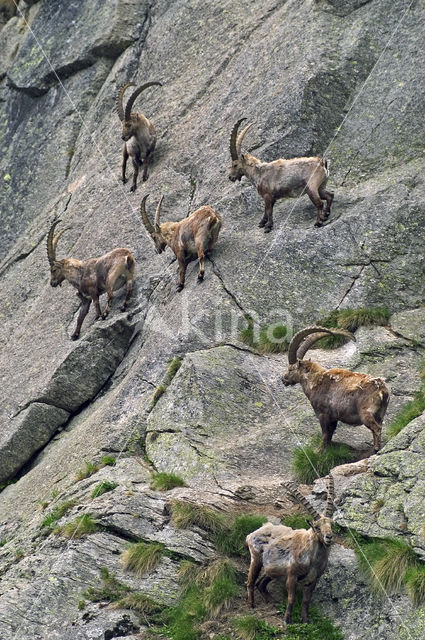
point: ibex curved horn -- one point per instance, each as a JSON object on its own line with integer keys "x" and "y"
{"x": 299, "y": 346}
{"x": 129, "y": 105}
{"x": 233, "y": 136}
{"x": 298, "y": 496}
{"x": 144, "y": 215}
{"x": 52, "y": 242}
{"x": 240, "y": 138}
{"x": 119, "y": 100}
{"x": 330, "y": 507}
{"x": 157, "y": 215}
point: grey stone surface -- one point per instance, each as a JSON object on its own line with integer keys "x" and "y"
{"x": 341, "y": 78}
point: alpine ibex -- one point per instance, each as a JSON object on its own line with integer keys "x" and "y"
{"x": 298, "y": 555}
{"x": 336, "y": 394}
{"x": 190, "y": 238}
{"x": 281, "y": 178}
{"x": 92, "y": 277}
{"x": 138, "y": 133}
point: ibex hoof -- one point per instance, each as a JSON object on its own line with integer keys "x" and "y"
{"x": 133, "y": 188}
{"x": 103, "y": 316}
{"x": 200, "y": 277}
{"x": 267, "y": 229}
{"x": 75, "y": 336}
{"x": 123, "y": 307}
{"x": 319, "y": 223}
{"x": 179, "y": 287}
{"x": 124, "y": 180}
{"x": 262, "y": 223}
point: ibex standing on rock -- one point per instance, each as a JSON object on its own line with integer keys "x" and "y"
{"x": 297, "y": 555}
{"x": 92, "y": 277}
{"x": 336, "y": 394}
{"x": 138, "y": 133}
{"x": 281, "y": 178}
{"x": 190, "y": 238}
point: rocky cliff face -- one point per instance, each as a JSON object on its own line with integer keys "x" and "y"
{"x": 320, "y": 76}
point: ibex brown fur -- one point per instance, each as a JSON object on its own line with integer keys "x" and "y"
{"x": 190, "y": 238}
{"x": 281, "y": 178}
{"x": 297, "y": 555}
{"x": 138, "y": 133}
{"x": 336, "y": 394}
{"x": 92, "y": 277}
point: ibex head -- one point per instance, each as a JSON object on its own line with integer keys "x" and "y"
{"x": 155, "y": 229}
{"x": 298, "y": 347}
{"x": 237, "y": 167}
{"x": 321, "y": 522}
{"x": 129, "y": 122}
{"x": 56, "y": 266}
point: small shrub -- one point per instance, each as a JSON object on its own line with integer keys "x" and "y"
{"x": 218, "y": 585}
{"x": 142, "y": 557}
{"x": 186, "y": 514}
{"x": 251, "y": 628}
{"x": 103, "y": 487}
{"x": 89, "y": 469}
{"x": 110, "y": 589}
{"x": 55, "y": 493}
{"x": 312, "y": 461}
{"x": 231, "y": 541}
{"x": 409, "y": 412}
{"x": 57, "y": 513}
{"x": 82, "y": 526}
{"x": 165, "y": 481}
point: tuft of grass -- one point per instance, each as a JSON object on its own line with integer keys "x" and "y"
{"x": 103, "y": 487}
{"x": 231, "y": 541}
{"x": 296, "y": 521}
{"x": 173, "y": 366}
{"x": 271, "y": 339}
{"x": 89, "y": 469}
{"x": 107, "y": 461}
{"x": 186, "y": 514}
{"x": 163, "y": 481}
{"x": 351, "y": 320}
{"x": 409, "y": 412}
{"x": 57, "y": 513}
{"x": 391, "y": 565}
{"x": 219, "y": 586}
{"x": 82, "y": 526}
{"x": 159, "y": 391}
{"x": 110, "y": 588}
{"x": 251, "y": 628}
{"x": 138, "y": 602}
{"x": 415, "y": 584}
{"x": 311, "y": 460}
{"x": 142, "y": 557}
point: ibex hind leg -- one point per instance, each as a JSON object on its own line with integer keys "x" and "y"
{"x": 262, "y": 587}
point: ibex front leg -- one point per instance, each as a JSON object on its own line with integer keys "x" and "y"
{"x": 84, "y": 309}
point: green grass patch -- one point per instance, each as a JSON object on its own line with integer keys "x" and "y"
{"x": 231, "y": 540}
{"x": 187, "y": 514}
{"x": 142, "y": 557}
{"x": 297, "y": 521}
{"x": 159, "y": 391}
{"x": 110, "y": 589}
{"x": 138, "y": 602}
{"x": 351, "y": 320}
{"x": 173, "y": 366}
{"x": 89, "y": 469}
{"x": 269, "y": 339}
{"x": 311, "y": 461}
{"x": 103, "y": 487}
{"x": 82, "y": 526}
{"x": 165, "y": 481}
{"x": 392, "y": 566}
{"x": 57, "y": 513}
{"x": 107, "y": 461}
{"x": 409, "y": 412}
